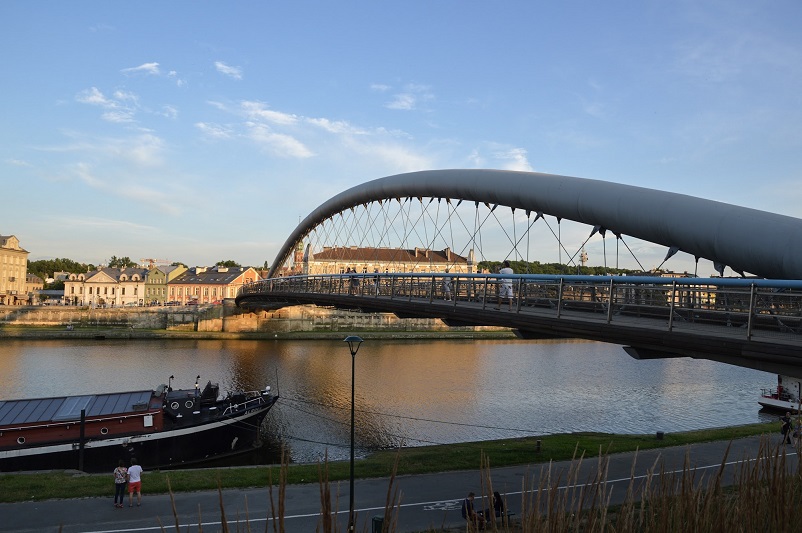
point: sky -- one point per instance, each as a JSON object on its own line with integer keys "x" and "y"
{"x": 204, "y": 131}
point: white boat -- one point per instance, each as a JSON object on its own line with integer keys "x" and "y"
{"x": 786, "y": 397}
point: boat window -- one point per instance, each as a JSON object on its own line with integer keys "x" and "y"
{"x": 189, "y": 403}
{"x": 103, "y": 431}
{"x": 20, "y": 440}
{"x": 174, "y": 405}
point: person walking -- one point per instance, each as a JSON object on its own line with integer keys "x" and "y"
{"x": 120, "y": 479}
{"x": 505, "y": 286}
{"x": 785, "y": 428}
{"x": 134, "y": 484}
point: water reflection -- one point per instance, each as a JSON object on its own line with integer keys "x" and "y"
{"x": 408, "y": 392}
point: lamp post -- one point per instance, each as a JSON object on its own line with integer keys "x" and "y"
{"x": 353, "y": 346}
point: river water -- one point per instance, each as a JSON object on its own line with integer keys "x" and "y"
{"x": 407, "y": 392}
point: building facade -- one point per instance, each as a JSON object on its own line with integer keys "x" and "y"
{"x": 106, "y": 287}
{"x": 156, "y": 283}
{"x": 201, "y": 285}
{"x": 33, "y": 287}
{"x": 338, "y": 259}
{"x": 13, "y": 271}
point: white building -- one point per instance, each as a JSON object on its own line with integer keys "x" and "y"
{"x": 106, "y": 287}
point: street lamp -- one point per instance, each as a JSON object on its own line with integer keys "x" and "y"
{"x": 353, "y": 346}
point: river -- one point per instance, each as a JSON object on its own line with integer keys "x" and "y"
{"x": 407, "y": 392}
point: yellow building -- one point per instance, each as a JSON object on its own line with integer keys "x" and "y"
{"x": 338, "y": 259}
{"x": 13, "y": 271}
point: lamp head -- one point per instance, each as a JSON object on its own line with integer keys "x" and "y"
{"x": 353, "y": 343}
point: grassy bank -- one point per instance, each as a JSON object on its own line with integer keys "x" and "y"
{"x": 420, "y": 460}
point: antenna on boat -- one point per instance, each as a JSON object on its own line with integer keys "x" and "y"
{"x": 170, "y": 383}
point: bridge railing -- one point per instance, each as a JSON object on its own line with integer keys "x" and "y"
{"x": 769, "y": 308}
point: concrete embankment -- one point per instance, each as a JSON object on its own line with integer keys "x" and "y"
{"x": 222, "y": 321}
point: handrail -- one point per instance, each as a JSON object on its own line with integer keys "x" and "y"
{"x": 769, "y": 307}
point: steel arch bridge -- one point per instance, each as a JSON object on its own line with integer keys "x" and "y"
{"x": 754, "y": 322}
{"x": 747, "y": 240}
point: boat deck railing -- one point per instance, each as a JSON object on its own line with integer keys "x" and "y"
{"x": 252, "y": 399}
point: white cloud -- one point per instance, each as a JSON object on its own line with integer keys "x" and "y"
{"x": 146, "y": 68}
{"x": 134, "y": 190}
{"x": 18, "y": 163}
{"x": 174, "y": 76}
{"x": 93, "y": 96}
{"x": 513, "y": 159}
{"x": 231, "y": 72}
{"x": 169, "y": 111}
{"x": 392, "y": 156}
{"x": 412, "y": 96}
{"x": 404, "y": 102}
{"x": 258, "y": 111}
{"x": 380, "y": 87}
{"x": 336, "y": 126}
{"x": 118, "y": 116}
{"x": 120, "y": 108}
{"x": 213, "y": 130}
{"x": 277, "y": 143}
{"x": 125, "y": 96}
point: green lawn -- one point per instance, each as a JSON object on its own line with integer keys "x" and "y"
{"x": 426, "y": 459}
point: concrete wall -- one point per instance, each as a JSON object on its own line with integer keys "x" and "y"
{"x": 225, "y": 318}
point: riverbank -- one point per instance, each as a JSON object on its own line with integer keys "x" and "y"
{"x": 415, "y": 460}
{"x": 61, "y": 333}
{"x": 225, "y": 321}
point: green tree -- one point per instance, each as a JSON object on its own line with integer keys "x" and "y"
{"x": 45, "y": 268}
{"x": 121, "y": 262}
{"x": 227, "y": 263}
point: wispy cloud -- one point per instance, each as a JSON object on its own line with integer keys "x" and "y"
{"x": 278, "y": 144}
{"x": 380, "y": 87}
{"x": 93, "y": 96}
{"x": 259, "y": 111}
{"x": 18, "y": 163}
{"x": 144, "y": 68}
{"x": 231, "y": 72}
{"x": 103, "y": 223}
{"x": 169, "y": 111}
{"x": 336, "y": 126}
{"x": 412, "y": 96}
{"x": 214, "y": 131}
{"x": 135, "y": 191}
{"x": 513, "y": 159}
{"x": 120, "y": 108}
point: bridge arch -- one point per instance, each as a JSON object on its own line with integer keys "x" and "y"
{"x": 747, "y": 240}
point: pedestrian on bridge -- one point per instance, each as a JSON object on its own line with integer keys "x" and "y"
{"x": 505, "y": 287}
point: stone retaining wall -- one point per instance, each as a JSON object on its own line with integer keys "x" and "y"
{"x": 225, "y": 318}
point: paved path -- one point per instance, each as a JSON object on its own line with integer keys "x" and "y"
{"x": 427, "y": 501}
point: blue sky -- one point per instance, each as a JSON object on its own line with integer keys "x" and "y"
{"x": 200, "y": 131}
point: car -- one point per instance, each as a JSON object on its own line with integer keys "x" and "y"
{"x": 172, "y": 303}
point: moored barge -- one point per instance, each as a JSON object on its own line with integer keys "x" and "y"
{"x": 161, "y": 428}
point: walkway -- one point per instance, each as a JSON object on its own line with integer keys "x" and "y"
{"x": 427, "y": 501}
